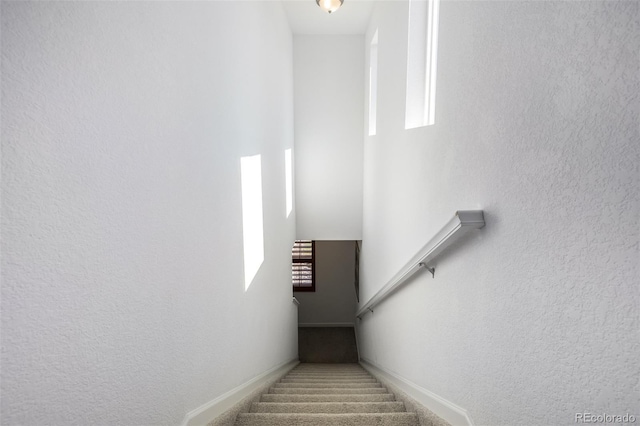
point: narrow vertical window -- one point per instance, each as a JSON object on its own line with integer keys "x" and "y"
{"x": 373, "y": 83}
{"x": 422, "y": 63}
{"x": 252, "y": 226}
{"x": 432, "y": 62}
{"x": 288, "y": 175}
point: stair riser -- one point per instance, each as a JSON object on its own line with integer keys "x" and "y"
{"x": 384, "y": 419}
{"x": 335, "y": 371}
{"x": 330, "y": 371}
{"x": 354, "y": 372}
{"x": 334, "y": 380}
{"x": 325, "y": 377}
{"x": 383, "y": 397}
{"x": 328, "y": 385}
{"x": 326, "y": 391}
{"x": 327, "y": 407}
{"x": 329, "y": 374}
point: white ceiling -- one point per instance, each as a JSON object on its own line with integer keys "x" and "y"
{"x": 305, "y": 17}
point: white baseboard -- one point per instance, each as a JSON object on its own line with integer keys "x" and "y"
{"x": 212, "y": 409}
{"x": 445, "y": 409}
{"x": 326, "y": 324}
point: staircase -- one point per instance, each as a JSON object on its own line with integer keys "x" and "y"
{"x": 328, "y": 395}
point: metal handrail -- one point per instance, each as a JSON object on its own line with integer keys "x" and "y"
{"x": 463, "y": 222}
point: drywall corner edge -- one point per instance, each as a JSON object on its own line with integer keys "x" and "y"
{"x": 447, "y": 410}
{"x": 212, "y": 409}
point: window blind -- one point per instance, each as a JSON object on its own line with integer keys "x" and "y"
{"x": 303, "y": 265}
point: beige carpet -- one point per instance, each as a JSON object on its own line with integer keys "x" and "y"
{"x": 328, "y": 394}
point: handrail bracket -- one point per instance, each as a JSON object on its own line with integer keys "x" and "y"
{"x": 432, "y": 270}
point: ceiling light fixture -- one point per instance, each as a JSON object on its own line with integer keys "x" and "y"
{"x": 329, "y": 5}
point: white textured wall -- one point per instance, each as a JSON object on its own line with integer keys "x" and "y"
{"x": 535, "y": 317}
{"x": 328, "y": 136}
{"x": 123, "y": 125}
{"x": 334, "y": 301}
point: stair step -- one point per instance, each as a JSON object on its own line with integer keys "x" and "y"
{"x": 321, "y": 374}
{"x": 327, "y": 385}
{"x": 327, "y": 407}
{"x": 336, "y": 370}
{"x": 355, "y": 372}
{"x": 327, "y": 365}
{"x": 330, "y": 371}
{"x": 331, "y": 379}
{"x": 328, "y": 376}
{"x": 360, "y": 419}
{"x": 325, "y": 391}
{"x": 380, "y": 397}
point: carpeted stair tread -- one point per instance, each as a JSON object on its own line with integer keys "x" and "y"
{"x": 328, "y": 377}
{"x": 379, "y": 397}
{"x": 327, "y": 407}
{"x": 355, "y": 419}
{"x": 327, "y": 385}
{"x": 329, "y": 380}
{"x": 332, "y": 369}
{"x": 307, "y": 391}
{"x": 337, "y": 371}
{"x": 321, "y": 374}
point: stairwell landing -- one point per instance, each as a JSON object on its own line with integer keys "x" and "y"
{"x": 328, "y": 395}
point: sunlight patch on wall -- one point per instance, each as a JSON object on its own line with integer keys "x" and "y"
{"x": 373, "y": 83}
{"x": 422, "y": 63}
{"x": 252, "y": 221}
{"x": 288, "y": 171}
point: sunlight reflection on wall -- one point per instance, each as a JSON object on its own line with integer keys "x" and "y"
{"x": 252, "y": 221}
